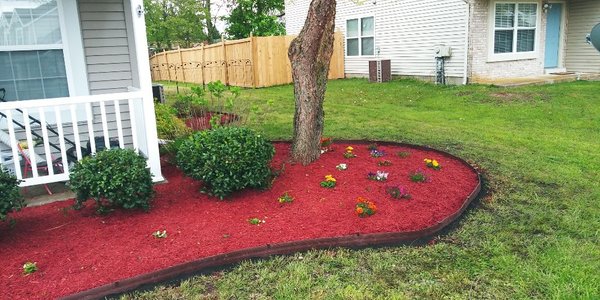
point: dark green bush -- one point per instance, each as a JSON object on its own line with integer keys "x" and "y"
{"x": 10, "y": 198}
{"x": 169, "y": 127}
{"x": 227, "y": 159}
{"x": 113, "y": 178}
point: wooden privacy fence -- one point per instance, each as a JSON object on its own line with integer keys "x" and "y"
{"x": 250, "y": 62}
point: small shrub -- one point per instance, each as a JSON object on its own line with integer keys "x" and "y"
{"x": 226, "y": 159}
{"x": 169, "y": 127}
{"x": 113, "y": 178}
{"x": 10, "y": 198}
{"x": 418, "y": 176}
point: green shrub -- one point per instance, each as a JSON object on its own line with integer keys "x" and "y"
{"x": 169, "y": 127}
{"x": 113, "y": 178}
{"x": 226, "y": 159}
{"x": 10, "y": 198}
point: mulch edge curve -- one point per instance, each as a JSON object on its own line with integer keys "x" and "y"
{"x": 349, "y": 241}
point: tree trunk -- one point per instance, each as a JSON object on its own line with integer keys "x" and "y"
{"x": 310, "y": 55}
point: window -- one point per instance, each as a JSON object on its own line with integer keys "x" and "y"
{"x": 31, "y": 53}
{"x": 515, "y": 26}
{"x": 360, "y": 36}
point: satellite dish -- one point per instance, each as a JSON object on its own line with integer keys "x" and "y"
{"x": 594, "y": 37}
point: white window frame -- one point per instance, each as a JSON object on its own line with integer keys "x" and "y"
{"x": 360, "y": 36}
{"x": 72, "y": 47}
{"x": 535, "y": 54}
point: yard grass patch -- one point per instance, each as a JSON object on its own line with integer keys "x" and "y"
{"x": 534, "y": 236}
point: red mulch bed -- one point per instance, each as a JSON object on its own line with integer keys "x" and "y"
{"x": 79, "y": 250}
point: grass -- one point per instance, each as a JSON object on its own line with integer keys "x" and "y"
{"x": 534, "y": 235}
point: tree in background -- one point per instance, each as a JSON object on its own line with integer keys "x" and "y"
{"x": 183, "y": 23}
{"x": 256, "y": 17}
{"x": 310, "y": 55}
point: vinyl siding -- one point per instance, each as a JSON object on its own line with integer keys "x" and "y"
{"x": 106, "y": 45}
{"x": 581, "y": 57}
{"x": 405, "y": 32}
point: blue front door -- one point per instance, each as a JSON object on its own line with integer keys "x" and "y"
{"x": 553, "y": 27}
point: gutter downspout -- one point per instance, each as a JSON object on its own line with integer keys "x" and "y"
{"x": 467, "y": 43}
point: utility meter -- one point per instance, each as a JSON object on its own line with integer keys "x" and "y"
{"x": 442, "y": 51}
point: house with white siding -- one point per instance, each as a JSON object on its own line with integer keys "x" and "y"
{"x": 74, "y": 80}
{"x": 489, "y": 39}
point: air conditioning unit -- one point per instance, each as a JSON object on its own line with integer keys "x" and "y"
{"x": 158, "y": 93}
{"x": 380, "y": 70}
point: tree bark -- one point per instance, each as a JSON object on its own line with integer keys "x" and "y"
{"x": 310, "y": 55}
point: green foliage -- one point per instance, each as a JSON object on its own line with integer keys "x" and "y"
{"x": 10, "y": 198}
{"x": 169, "y": 127}
{"x": 227, "y": 159}
{"x": 178, "y": 22}
{"x": 113, "y": 178}
{"x": 259, "y": 17}
{"x": 29, "y": 268}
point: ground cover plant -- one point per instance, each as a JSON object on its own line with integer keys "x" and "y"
{"x": 534, "y": 236}
{"x": 74, "y": 251}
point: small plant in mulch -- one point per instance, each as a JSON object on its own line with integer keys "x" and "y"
{"x": 384, "y": 163}
{"x": 432, "y": 164}
{"x": 329, "y": 182}
{"x": 364, "y": 207}
{"x": 160, "y": 234}
{"x": 372, "y": 147}
{"x": 378, "y": 176}
{"x": 403, "y": 154}
{"x": 418, "y": 176}
{"x": 256, "y": 221}
{"x": 377, "y": 153}
{"x": 349, "y": 153}
{"x": 29, "y": 268}
{"x": 397, "y": 192}
{"x": 285, "y": 198}
{"x": 326, "y": 144}
{"x": 342, "y": 167}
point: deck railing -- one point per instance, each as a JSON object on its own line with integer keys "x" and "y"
{"x": 48, "y": 136}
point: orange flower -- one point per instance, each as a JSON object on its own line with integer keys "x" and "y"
{"x": 359, "y": 210}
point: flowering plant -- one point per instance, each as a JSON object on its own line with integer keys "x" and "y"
{"x": 285, "y": 198}
{"x": 372, "y": 147}
{"x": 329, "y": 182}
{"x": 325, "y": 144}
{"x": 378, "y": 176}
{"x": 418, "y": 176}
{"x": 349, "y": 152}
{"x": 432, "y": 163}
{"x": 342, "y": 167}
{"x": 256, "y": 221}
{"x": 397, "y": 192}
{"x": 364, "y": 207}
{"x": 160, "y": 234}
{"x": 377, "y": 153}
{"x": 384, "y": 163}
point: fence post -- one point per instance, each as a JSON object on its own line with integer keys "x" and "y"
{"x": 181, "y": 64}
{"x": 226, "y": 72}
{"x": 167, "y": 63}
{"x": 202, "y": 65}
{"x": 254, "y": 61}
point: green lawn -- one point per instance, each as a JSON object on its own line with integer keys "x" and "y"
{"x": 535, "y": 235}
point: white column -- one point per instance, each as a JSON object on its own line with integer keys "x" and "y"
{"x": 145, "y": 82}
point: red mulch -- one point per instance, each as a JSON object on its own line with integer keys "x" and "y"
{"x": 79, "y": 250}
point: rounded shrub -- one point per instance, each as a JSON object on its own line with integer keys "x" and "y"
{"x": 226, "y": 159}
{"x": 113, "y": 178}
{"x": 168, "y": 126}
{"x": 10, "y": 198}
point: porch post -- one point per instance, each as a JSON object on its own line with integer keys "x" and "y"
{"x": 143, "y": 66}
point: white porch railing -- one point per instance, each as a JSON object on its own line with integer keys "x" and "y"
{"x": 47, "y": 136}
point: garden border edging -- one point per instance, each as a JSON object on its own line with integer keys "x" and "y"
{"x": 349, "y": 241}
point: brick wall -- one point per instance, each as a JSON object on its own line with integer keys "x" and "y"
{"x": 480, "y": 68}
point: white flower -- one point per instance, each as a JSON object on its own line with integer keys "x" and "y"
{"x": 381, "y": 176}
{"x": 342, "y": 167}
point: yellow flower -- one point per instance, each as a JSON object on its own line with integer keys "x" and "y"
{"x": 349, "y": 148}
{"x": 435, "y": 163}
